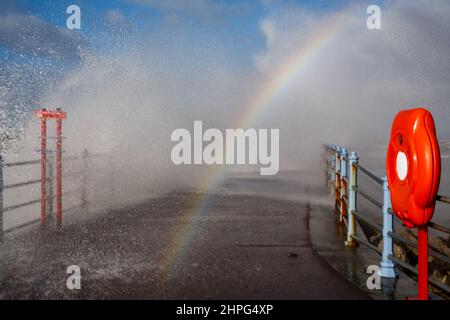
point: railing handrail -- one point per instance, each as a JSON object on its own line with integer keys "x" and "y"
{"x": 22, "y": 184}
{"x": 371, "y": 175}
{"x": 432, "y": 251}
{"x": 369, "y": 198}
{"x": 38, "y": 161}
{"x": 443, "y": 199}
{"x": 434, "y": 225}
{"x": 21, "y": 163}
{"x": 440, "y": 198}
{"x": 438, "y": 227}
{"x": 377, "y": 179}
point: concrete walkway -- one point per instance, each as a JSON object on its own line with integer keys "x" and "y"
{"x": 238, "y": 246}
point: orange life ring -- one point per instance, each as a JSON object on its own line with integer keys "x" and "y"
{"x": 413, "y": 166}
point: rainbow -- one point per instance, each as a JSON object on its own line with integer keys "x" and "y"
{"x": 280, "y": 80}
{"x": 283, "y": 76}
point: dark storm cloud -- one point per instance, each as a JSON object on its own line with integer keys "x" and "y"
{"x": 29, "y": 34}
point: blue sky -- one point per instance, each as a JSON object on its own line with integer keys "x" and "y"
{"x": 234, "y": 25}
{"x": 406, "y": 61}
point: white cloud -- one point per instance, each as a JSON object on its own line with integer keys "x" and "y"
{"x": 349, "y": 90}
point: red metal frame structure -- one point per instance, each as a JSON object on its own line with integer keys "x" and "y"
{"x": 58, "y": 115}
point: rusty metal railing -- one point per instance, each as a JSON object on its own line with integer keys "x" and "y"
{"x": 341, "y": 177}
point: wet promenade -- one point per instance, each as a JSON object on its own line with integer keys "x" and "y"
{"x": 249, "y": 240}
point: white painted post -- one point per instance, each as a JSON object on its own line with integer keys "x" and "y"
{"x": 343, "y": 186}
{"x": 353, "y": 183}
{"x": 337, "y": 174}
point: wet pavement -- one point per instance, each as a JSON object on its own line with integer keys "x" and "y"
{"x": 231, "y": 244}
{"x": 328, "y": 237}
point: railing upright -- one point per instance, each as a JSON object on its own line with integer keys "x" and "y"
{"x": 111, "y": 176}
{"x": 343, "y": 184}
{"x": 43, "y": 171}
{"x": 331, "y": 169}
{"x": 387, "y": 269}
{"x": 337, "y": 174}
{"x": 1, "y": 197}
{"x": 50, "y": 186}
{"x": 353, "y": 184}
{"x": 326, "y": 154}
{"x": 84, "y": 179}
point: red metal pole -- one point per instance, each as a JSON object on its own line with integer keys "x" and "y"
{"x": 58, "y": 171}
{"x": 43, "y": 169}
{"x": 423, "y": 263}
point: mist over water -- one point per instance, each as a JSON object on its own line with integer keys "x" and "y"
{"x": 123, "y": 103}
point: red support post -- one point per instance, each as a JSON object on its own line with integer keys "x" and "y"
{"x": 58, "y": 171}
{"x": 43, "y": 169}
{"x": 58, "y": 115}
{"x": 422, "y": 255}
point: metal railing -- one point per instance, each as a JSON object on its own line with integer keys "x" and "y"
{"x": 82, "y": 174}
{"x": 342, "y": 171}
